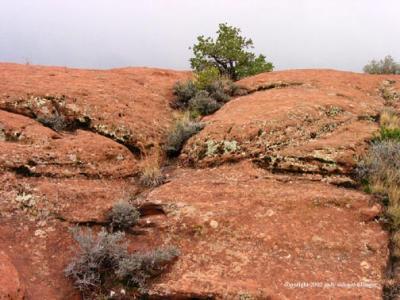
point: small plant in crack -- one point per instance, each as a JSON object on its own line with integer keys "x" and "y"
{"x": 137, "y": 268}
{"x": 96, "y": 255}
{"x": 180, "y": 132}
{"x": 123, "y": 215}
{"x": 56, "y": 121}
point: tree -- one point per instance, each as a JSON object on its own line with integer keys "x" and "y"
{"x": 228, "y": 53}
{"x": 383, "y": 66}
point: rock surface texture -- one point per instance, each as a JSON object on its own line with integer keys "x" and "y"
{"x": 262, "y": 203}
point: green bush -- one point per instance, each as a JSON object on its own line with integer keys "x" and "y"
{"x": 389, "y": 133}
{"x": 123, "y": 215}
{"x": 206, "y": 77}
{"x": 383, "y": 66}
{"x": 203, "y": 104}
{"x": 228, "y": 54}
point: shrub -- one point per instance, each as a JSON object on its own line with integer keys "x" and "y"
{"x": 123, "y": 215}
{"x": 382, "y": 163}
{"x": 96, "y": 256}
{"x": 383, "y": 66}
{"x": 137, "y": 268}
{"x": 181, "y": 131}
{"x": 192, "y": 95}
{"x": 183, "y": 93}
{"x": 220, "y": 90}
{"x": 103, "y": 260}
{"x": 206, "y": 77}
{"x": 203, "y": 104}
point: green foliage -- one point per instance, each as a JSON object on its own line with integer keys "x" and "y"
{"x": 206, "y": 77}
{"x": 228, "y": 53}
{"x": 389, "y": 133}
{"x": 123, "y": 215}
{"x": 383, "y": 66}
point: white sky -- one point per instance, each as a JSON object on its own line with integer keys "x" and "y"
{"x": 340, "y": 34}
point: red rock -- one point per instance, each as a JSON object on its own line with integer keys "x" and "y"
{"x": 10, "y": 283}
{"x": 242, "y": 230}
{"x": 315, "y": 234}
{"x": 318, "y": 123}
{"x": 370, "y": 213}
{"x": 130, "y": 104}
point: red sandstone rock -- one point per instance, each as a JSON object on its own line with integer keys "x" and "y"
{"x": 300, "y": 121}
{"x": 130, "y": 104}
{"x": 10, "y": 283}
{"x": 243, "y": 231}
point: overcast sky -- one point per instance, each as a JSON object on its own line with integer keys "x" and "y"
{"x": 340, "y": 34}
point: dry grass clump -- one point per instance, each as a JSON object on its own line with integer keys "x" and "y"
{"x": 151, "y": 173}
{"x": 390, "y": 119}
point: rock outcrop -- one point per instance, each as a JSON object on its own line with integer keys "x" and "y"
{"x": 262, "y": 202}
{"x": 10, "y": 283}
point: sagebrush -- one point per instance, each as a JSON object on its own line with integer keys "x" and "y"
{"x": 123, "y": 215}
{"x": 102, "y": 260}
{"x": 209, "y": 96}
{"x": 203, "y": 104}
{"x": 180, "y": 132}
